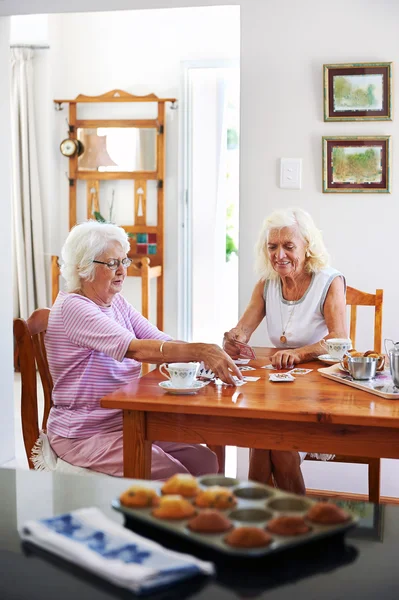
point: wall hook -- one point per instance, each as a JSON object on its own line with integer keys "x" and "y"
{"x": 70, "y": 180}
{"x": 71, "y": 128}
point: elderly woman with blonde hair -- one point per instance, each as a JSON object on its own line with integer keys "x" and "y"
{"x": 96, "y": 342}
{"x": 303, "y": 300}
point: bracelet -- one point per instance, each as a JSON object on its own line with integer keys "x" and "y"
{"x": 161, "y": 349}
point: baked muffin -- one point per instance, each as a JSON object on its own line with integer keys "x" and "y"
{"x": 248, "y": 537}
{"x": 325, "y": 513}
{"x": 380, "y": 357}
{"x": 139, "y": 497}
{"x": 174, "y": 507}
{"x": 288, "y": 526}
{"x": 216, "y": 496}
{"x": 210, "y": 521}
{"x": 183, "y": 484}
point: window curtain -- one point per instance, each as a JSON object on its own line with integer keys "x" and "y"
{"x": 28, "y": 252}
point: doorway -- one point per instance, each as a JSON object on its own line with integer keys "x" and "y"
{"x": 210, "y": 206}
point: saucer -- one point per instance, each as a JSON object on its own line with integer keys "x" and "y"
{"x": 168, "y": 387}
{"x": 326, "y": 358}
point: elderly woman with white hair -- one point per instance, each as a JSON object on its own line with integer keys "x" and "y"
{"x": 96, "y": 342}
{"x": 303, "y": 300}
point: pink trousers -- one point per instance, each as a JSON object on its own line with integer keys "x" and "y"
{"x": 103, "y": 452}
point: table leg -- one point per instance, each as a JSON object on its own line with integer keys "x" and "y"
{"x": 220, "y": 452}
{"x": 136, "y": 448}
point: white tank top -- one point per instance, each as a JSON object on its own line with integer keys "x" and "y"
{"x": 306, "y": 325}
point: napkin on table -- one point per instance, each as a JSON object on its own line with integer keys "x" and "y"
{"x": 89, "y": 539}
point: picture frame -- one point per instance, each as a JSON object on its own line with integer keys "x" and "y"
{"x": 357, "y": 164}
{"x": 371, "y": 519}
{"x": 358, "y": 92}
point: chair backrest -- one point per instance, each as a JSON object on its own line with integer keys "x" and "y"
{"x": 29, "y": 336}
{"x": 355, "y": 298}
{"x": 55, "y": 278}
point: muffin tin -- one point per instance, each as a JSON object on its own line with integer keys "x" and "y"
{"x": 256, "y": 505}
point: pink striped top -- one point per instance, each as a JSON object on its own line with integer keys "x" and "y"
{"x": 86, "y": 346}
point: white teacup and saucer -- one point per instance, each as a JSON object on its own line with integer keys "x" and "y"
{"x": 337, "y": 348}
{"x": 181, "y": 378}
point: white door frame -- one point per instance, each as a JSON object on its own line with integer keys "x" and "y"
{"x": 184, "y": 215}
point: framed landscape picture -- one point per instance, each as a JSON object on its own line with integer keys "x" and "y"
{"x": 356, "y": 164}
{"x": 358, "y": 92}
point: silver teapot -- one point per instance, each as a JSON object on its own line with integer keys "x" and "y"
{"x": 393, "y": 354}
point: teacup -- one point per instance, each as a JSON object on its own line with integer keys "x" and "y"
{"x": 337, "y": 347}
{"x": 181, "y": 375}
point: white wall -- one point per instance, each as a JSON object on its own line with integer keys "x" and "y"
{"x": 6, "y": 342}
{"x": 30, "y": 29}
{"x": 283, "y": 48}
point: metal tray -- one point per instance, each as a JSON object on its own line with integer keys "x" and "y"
{"x": 256, "y": 505}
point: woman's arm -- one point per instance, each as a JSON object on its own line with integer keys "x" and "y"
{"x": 154, "y": 351}
{"x": 335, "y": 317}
{"x": 252, "y": 317}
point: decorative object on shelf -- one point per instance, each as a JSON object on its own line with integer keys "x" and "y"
{"x": 98, "y": 217}
{"x": 356, "y": 164}
{"x": 70, "y": 147}
{"x": 95, "y": 155}
{"x": 93, "y": 192}
{"x": 358, "y": 92}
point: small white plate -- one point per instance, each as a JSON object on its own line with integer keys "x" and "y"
{"x": 326, "y": 358}
{"x": 168, "y": 387}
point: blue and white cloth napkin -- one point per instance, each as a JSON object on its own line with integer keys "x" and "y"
{"x": 89, "y": 539}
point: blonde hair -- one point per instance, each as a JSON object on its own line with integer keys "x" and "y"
{"x": 316, "y": 254}
{"x": 84, "y": 244}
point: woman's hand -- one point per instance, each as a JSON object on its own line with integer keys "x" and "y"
{"x": 249, "y": 321}
{"x": 229, "y": 339}
{"x": 220, "y": 363}
{"x": 286, "y": 359}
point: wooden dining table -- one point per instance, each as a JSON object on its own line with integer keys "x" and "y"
{"x": 312, "y": 414}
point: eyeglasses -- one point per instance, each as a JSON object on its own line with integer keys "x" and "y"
{"x": 115, "y": 263}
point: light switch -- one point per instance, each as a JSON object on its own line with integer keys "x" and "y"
{"x": 291, "y": 173}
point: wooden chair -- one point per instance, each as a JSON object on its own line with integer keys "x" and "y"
{"x": 354, "y": 298}
{"x": 29, "y": 336}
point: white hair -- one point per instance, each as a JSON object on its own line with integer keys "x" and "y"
{"x": 316, "y": 254}
{"x": 84, "y": 244}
